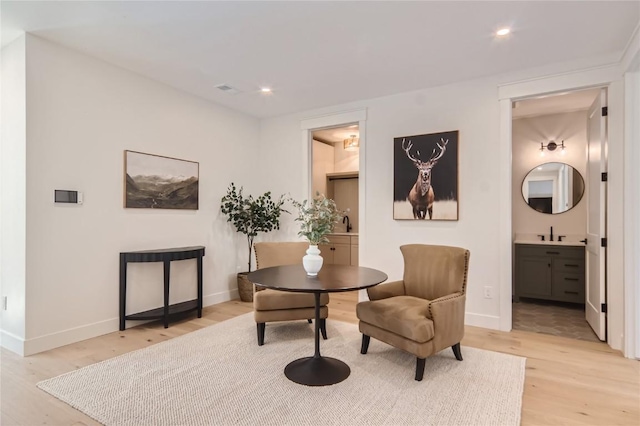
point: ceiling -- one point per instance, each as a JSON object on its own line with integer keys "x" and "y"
{"x": 316, "y": 54}
{"x": 554, "y": 104}
{"x": 336, "y": 134}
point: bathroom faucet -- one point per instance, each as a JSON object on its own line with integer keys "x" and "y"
{"x": 346, "y": 218}
{"x": 551, "y": 235}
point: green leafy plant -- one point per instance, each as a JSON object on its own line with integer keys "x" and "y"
{"x": 251, "y": 215}
{"x": 317, "y": 218}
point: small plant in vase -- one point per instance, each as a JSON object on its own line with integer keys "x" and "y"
{"x": 317, "y": 219}
{"x": 250, "y": 216}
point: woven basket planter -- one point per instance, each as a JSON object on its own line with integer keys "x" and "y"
{"x": 245, "y": 287}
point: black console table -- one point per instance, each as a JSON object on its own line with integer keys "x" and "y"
{"x": 165, "y": 256}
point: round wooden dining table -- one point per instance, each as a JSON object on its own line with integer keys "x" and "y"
{"x": 317, "y": 370}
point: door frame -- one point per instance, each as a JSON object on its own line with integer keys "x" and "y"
{"x": 609, "y": 77}
{"x": 632, "y": 206}
{"x": 308, "y": 125}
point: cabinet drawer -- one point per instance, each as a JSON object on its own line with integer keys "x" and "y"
{"x": 354, "y": 240}
{"x": 552, "y": 251}
{"x": 569, "y": 265}
{"x": 568, "y": 287}
{"x": 339, "y": 239}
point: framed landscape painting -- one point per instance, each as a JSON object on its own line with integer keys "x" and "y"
{"x": 157, "y": 182}
{"x": 425, "y": 172}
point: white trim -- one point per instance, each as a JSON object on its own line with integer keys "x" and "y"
{"x": 584, "y": 79}
{"x": 223, "y": 296}
{"x": 594, "y": 77}
{"x": 631, "y": 196}
{"x": 334, "y": 119}
{"x": 77, "y": 334}
{"x": 362, "y": 190}
{"x": 12, "y": 342}
{"x": 72, "y": 335}
{"x": 631, "y": 51}
{"x": 485, "y": 321}
{"x": 505, "y": 237}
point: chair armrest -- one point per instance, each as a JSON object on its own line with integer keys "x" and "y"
{"x": 447, "y": 314}
{"x": 442, "y": 305}
{"x": 384, "y": 291}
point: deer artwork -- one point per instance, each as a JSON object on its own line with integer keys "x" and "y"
{"x": 421, "y": 196}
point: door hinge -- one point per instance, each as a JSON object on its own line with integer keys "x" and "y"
{"x": 605, "y": 177}
{"x": 605, "y": 111}
{"x": 603, "y": 242}
{"x": 603, "y": 308}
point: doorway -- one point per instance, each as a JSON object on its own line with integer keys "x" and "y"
{"x": 335, "y": 166}
{"x": 558, "y": 146}
{"x": 335, "y": 163}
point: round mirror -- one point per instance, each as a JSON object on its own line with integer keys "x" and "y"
{"x": 553, "y": 188}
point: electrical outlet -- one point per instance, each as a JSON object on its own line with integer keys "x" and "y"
{"x": 488, "y": 292}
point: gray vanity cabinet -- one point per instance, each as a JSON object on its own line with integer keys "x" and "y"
{"x": 550, "y": 272}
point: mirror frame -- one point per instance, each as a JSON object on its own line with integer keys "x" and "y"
{"x": 584, "y": 187}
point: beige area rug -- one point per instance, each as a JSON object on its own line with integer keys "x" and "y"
{"x": 220, "y": 376}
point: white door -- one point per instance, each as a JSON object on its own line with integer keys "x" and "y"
{"x": 596, "y": 216}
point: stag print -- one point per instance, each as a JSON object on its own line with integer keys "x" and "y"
{"x": 433, "y": 190}
{"x": 422, "y": 196}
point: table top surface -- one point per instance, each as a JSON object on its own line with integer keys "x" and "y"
{"x": 331, "y": 278}
{"x": 165, "y": 250}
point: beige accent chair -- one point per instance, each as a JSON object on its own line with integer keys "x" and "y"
{"x": 424, "y": 313}
{"x": 275, "y": 305}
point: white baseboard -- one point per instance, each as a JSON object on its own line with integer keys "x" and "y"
{"x": 480, "y": 320}
{"x": 72, "y": 335}
{"x": 220, "y": 297}
{"x": 84, "y": 332}
{"x": 12, "y": 342}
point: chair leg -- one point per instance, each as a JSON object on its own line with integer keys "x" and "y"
{"x": 456, "y": 351}
{"x": 365, "y": 344}
{"x": 323, "y": 328}
{"x": 309, "y": 320}
{"x": 261, "y": 327}
{"x": 420, "y": 363}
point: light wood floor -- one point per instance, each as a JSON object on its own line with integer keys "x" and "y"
{"x": 567, "y": 381}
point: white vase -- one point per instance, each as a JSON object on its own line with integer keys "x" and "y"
{"x": 312, "y": 261}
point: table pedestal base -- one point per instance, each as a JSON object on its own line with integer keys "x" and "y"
{"x": 312, "y": 371}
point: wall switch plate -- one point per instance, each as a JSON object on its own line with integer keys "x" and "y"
{"x": 4, "y": 303}
{"x": 488, "y": 292}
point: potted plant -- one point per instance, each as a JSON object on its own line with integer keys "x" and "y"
{"x": 250, "y": 216}
{"x": 317, "y": 219}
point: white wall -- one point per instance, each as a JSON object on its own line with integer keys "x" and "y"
{"x": 322, "y": 164}
{"x": 83, "y": 113}
{"x": 12, "y": 194}
{"x": 345, "y": 194}
{"x": 527, "y": 135}
{"x": 470, "y": 107}
{"x": 346, "y": 161}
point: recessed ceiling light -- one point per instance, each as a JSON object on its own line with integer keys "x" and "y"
{"x": 265, "y": 90}
{"x": 503, "y": 32}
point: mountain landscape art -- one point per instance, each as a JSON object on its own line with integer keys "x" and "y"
{"x": 157, "y": 182}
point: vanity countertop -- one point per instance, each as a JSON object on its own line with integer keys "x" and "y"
{"x": 348, "y": 234}
{"x": 550, "y": 243}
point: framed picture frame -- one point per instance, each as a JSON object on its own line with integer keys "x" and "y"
{"x": 158, "y": 182}
{"x": 425, "y": 173}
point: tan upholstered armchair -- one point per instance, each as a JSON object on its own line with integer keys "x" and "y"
{"x": 274, "y": 305}
{"x": 424, "y": 313}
